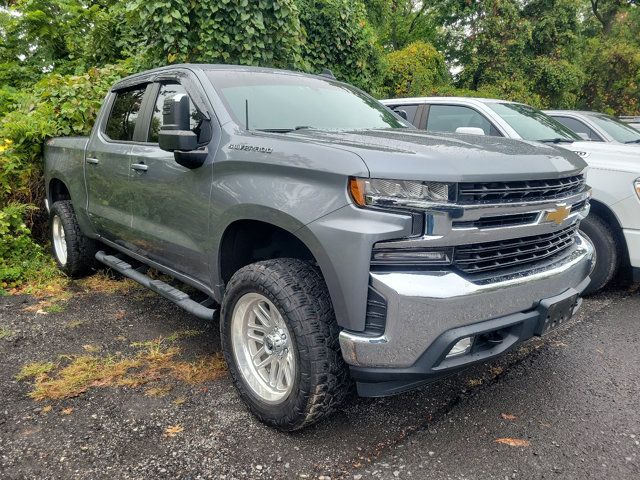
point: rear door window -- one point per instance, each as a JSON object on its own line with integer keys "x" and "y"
{"x": 124, "y": 115}
{"x": 579, "y": 127}
{"x": 447, "y": 118}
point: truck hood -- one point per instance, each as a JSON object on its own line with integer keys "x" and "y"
{"x": 608, "y": 156}
{"x": 419, "y": 155}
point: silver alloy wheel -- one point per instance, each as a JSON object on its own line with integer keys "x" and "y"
{"x": 263, "y": 348}
{"x": 59, "y": 240}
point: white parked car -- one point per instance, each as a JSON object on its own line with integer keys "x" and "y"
{"x": 614, "y": 174}
{"x": 597, "y": 127}
{"x": 630, "y": 120}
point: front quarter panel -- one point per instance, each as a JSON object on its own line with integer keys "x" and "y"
{"x": 287, "y": 183}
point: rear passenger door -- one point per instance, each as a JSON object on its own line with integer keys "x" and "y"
{"x": 170, "y": 208}
{"x": 107, "y": 163}
{"x": 447, "y": 118}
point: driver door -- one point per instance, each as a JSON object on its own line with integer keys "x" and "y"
{"x": 170, "y": 207}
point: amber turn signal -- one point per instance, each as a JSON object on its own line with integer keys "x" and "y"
{"x": 356, "y": 189}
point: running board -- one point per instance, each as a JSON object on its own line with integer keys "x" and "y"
{"x": 161, "y": 288}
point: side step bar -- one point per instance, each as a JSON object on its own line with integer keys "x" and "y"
{"x": 167, "y": 291}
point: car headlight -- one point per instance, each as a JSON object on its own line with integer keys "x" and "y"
{"x": 637, "y": 185}
{"x": 378, "y": 192}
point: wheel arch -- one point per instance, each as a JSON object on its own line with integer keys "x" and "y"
{"x": 608, "y": 215}
{"x": 290, "y": 234}
{"x": 57, "y": 190}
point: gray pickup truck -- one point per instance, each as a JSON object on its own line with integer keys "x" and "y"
{"x": 342, "y": 244}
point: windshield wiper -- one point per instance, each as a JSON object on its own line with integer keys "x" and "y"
{"x": 634, "y": 141}
{"x": 283, "y": 130}
{"x": 557, "y": 140}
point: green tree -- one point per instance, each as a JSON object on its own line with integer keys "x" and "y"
{"x": 416, "y": 70}
{"x": 261, "y": 32}
{"x": 338, "y": 37}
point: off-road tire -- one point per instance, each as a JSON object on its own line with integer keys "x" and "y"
{"x": 322, "y": 381}
{"x": 81, "y": 249}
{"x": 607, "y": 247}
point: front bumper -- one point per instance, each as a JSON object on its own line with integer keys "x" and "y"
{"x": 427, "y": 311}
{"x": 632, "y": 238}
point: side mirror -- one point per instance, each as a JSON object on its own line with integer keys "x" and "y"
{"x": 402, "y": 113}
{"x": 470, "y": 130}
{"x": 175, "y": 133}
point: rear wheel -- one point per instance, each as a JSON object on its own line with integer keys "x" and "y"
{"x": 73, "y": 251}
{"x": 280, "y": 340}
{"x": 607, "y": 248}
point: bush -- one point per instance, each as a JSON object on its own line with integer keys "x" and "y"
{"x": 262, "y": 32}
{"x": 416, "y": 70}
{"x": 338, "y": 37}
{"x": 56, "y": 105}
{"x": 21, "y": 258}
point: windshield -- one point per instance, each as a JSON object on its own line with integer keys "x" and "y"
{"x": 620, "y": 132}
{"x": 532, "y": 124}
{"x": 283, "y": 102}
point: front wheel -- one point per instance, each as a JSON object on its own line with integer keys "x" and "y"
{"x": 280, "y": 340}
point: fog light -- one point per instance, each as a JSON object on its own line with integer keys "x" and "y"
{"x": 461, "y": 347}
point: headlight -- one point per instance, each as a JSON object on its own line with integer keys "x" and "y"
{"x": 637, "y": 185}
{"x": 397, "y": 193}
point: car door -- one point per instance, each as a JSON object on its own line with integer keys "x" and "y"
{"x": 442, "y": 118}
{"x": 107, "y": 163}
{"x": 170, "y": 208}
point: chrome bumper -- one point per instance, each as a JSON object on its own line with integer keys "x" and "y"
{"x": 423, "y": 305}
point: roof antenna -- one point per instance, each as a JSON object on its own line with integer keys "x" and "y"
{"x": 246, "y": 112}
{"x": 327, "y": 73}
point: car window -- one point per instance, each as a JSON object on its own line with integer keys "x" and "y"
{"x": 621, "y": 132}
{"x": 169, "y": 90}
{"x": 579, "y": 127}
{"x": 285, "y": 102}
{"x": 124, "y": 114}
{"x": 532, "y": 124}
{"x": 447, "y": 118}
{"x": 410, "y": 109}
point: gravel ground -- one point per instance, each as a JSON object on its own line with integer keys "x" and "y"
{"x": 572, "y": 398}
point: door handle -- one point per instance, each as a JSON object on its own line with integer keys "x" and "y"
{"x": 93, "y": 161}
{"x": 141, "y": 167}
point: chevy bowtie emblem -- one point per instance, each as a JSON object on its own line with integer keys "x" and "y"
{"x": 558, "y": 215}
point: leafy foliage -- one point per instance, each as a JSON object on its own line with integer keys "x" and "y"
{"x": 338, "y": 37}
{"x": 262, "y": 32}
{"x": 414, "y": 71}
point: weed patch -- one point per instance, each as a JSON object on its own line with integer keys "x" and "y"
{"x": 35, "y": 370}
{"x": 5, "y": 333}
{"x": 155, "y": 361}
{"x": 103, "y": 282}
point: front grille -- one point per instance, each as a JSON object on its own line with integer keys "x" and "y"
{"x": 519, "y": 190}
{"x": 499, "y": 221}
{"x": 490, "y": 256}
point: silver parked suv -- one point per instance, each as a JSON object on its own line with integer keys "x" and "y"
{"x": 341, "y": 242}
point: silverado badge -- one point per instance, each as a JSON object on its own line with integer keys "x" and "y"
{"x": 558, "y": 215}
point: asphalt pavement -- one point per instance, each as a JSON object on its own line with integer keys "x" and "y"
{"x": 562, "y": 407}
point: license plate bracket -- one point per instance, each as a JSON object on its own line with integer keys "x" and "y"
{"x": 555, "y": 312}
